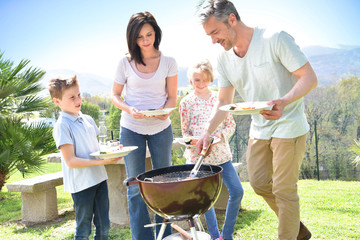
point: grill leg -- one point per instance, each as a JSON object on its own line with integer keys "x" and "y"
{"x": 199, "y": 224}
{"x": 192, "y": 229}
{"x": 162, "y": 230}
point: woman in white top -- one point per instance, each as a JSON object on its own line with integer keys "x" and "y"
{"x": 150, "y": 81}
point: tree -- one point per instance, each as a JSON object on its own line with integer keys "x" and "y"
{"x": 336, "y": 111}
{"x": 104, "y": 102}
{"x": 349, "y": 90}
{"x": 21, "y": 145}
{"x": 52, "y": 111}
{"x": 175, "y": 120}
{"x": 350, "y": 94}
{"x": 114, "y": 120}
{"x": 318, "y": 105}
{"x": 91, "y": 109}
{"x": 86, "y": 108}
{"x": 356, "y": 149}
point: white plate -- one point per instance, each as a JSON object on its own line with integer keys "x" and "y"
{"x": 120, "y": 153}
{"x": 256, "y": 107}
{"x": 182, "y": 142}
{"x": 157, "y": 112}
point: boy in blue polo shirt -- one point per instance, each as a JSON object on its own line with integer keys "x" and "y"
{"x": 86, "y": 179}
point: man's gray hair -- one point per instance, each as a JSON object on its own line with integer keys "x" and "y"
{"x": 220, "y": 9}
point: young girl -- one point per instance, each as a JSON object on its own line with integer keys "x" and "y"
{"x": 150, "y": 81}
{"x": 195, "y": 110}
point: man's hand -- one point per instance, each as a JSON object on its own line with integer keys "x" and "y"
{"x": 276, "y": 111}
{"x": 306, "y": 82}
{"x": 203, "y": 142}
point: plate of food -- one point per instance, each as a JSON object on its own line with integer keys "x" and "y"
{"x": 155, "y": 112}
{"x": 244, "y": 108}
{"x": 113, "y": 154}
{"x": 192, "y": 141}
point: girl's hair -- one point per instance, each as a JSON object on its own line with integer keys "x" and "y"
{"x": 220, "y": 9}
{"x": 203, "y": 67}
{"x": 58, "y": 85}
{"x": 136, "y": 22}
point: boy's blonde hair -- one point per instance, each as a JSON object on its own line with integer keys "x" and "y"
{"x": 59, "y": 84}
{"x": 203, "y": 67}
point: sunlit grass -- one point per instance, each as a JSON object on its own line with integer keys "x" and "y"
{"x": 331, "y": 210}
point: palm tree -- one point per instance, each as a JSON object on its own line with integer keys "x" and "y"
{"x": 356, "y": 149}
{"x": 21, "y": 145}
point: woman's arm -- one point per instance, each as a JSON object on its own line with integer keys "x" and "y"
{"x": 121, "y": 104}
{"x": 171, "y": 89}
{"x": 72, "y": 161}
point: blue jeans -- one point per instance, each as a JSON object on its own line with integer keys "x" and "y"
{"x": 92, "y": 204}
{"x": 236, "y": 192}
{"x": 160, "y": 146}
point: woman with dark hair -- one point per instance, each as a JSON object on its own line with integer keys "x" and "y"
{"x": 150, "y": 81}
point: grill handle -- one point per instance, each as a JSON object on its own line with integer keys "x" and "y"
{"x": 130, "y": 181}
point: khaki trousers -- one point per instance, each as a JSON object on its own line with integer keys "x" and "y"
{"x": 273, "y": 167}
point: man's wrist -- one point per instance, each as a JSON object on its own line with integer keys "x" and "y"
{"x": 207, "y": 129}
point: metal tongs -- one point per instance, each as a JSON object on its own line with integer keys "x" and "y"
{"x": 203, "y": 153}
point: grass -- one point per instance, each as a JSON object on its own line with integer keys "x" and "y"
{"x": 331, "y": 210}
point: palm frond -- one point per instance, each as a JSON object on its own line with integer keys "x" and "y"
{"x": 356, "y": 149}
{"x": 14, "y": 72}
{"x": 31, "y": 103}
{"x": 19, "y": 86}
{"x": 30, "y": 83}
{"x": 22, "y": 147}
{"x": 40, "y": 134}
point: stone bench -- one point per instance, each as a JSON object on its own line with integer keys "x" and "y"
{"x": 38, "y": 196}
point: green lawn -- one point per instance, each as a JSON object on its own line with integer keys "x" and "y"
{"x": 331, "y": 210}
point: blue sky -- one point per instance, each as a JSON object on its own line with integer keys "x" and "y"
{"x": 89, "y": 36}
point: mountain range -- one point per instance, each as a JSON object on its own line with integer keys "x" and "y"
{"x": 329, "y": 64}
{"x": 89, "y": 83}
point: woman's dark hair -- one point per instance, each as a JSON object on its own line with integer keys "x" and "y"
{"x": 135, "y": 24}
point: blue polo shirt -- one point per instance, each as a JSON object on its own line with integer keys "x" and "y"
{"x": 81, "y": 132}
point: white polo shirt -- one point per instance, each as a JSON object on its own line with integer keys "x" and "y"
{"x": 81, "y": 132}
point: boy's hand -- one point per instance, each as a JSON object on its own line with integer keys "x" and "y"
{"x": 108, "y": 161}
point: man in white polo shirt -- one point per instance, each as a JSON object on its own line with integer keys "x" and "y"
{"x": 264, "y": 66}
